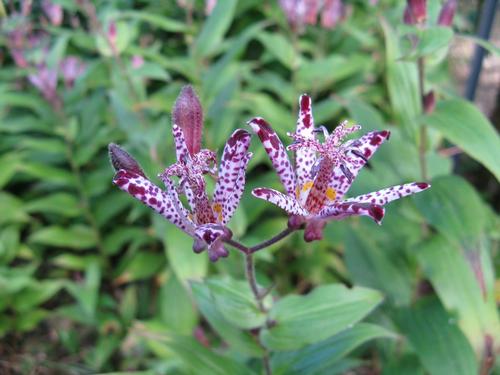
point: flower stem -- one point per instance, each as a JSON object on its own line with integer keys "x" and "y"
{"x": 423, "y": 129}
{"x": 252, "y": 281}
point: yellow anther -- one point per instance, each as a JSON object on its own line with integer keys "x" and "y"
{"x": 218, "y": 210}
{"x": 331, "y": 193}
{"x": 307, "y": 186}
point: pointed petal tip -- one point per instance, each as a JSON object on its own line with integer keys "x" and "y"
{"x": 422, "y": 185}
{"x": 187, "y": 113}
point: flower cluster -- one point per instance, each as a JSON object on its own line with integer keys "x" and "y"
{"x": 416, "y": 12}
{"x": 300, "y": 13}
{"x": 314, "y": 187}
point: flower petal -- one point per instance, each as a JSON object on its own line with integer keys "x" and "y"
{"x": 360, "y": 151}
{"x": 277, "y": 153}
{"x": 314, "y": 230}
{"x": 339, "y": 211}
{"x": 232, "y": 201}
{"x": 385, "y": 196}
{"x": 213, "y": 235}
{"x": 152, "y": 196}
{"x": 234, "y": 161}
{"x": 181, "y": 149}
{"x": 287, "y": 203}
{"x": 304, "y": 157}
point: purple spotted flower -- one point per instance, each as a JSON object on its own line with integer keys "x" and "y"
{"x": 324, "y": 172}
{"x": 206, "y": 219}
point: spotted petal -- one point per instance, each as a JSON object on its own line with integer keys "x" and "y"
{"x": 342, "y": 210}
{"x": 277, "y": 153}
{"x": 361, "y": 150}
{"x": 385, "y": 196}
{"x": 152, "y": 196}
{"x": 213, "y": 235}
{"x": 233, "y": 162}
{"x": 304, "y": 157}
{"x": 181, "y": 149}
{"x": 233, "y": 200}
{"x": 287, "y": 203}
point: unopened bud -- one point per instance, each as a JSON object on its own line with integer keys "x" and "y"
{"x": 429, "y": 102}
{"x": 447, "y": 13}
{"x": 188, "y": 115}
{"x": 54, "y": 12}
{"x": 415, "y": 12}
{"x": 121, "y": 159}
{"x": 332, "y": 13}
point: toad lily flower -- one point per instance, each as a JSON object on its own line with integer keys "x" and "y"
{"x": 206, "y": 220}
{"x": 323, "y": 174}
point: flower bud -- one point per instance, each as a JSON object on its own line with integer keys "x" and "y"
{"x": 429, "y": 102}
{"x": 54, "y": 12}
{"x": 121, "y": 159}
{"x": 447, "y": 13}
{"x": 332, "y": 13}
{"x": 188, "y": 115}
{"x": 415, "y": 12}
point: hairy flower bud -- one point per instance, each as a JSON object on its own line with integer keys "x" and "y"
{"x": 188, "y": 115}
{"x": 415, "y": 12}
{"x": 121, "y": 159}
{"x": 447, "y": 13}
{"x": 332, "y": 13}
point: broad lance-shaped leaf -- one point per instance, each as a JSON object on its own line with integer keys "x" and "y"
{"x": 319, "y": 358}
{"x": 236, "y": 303}
{"x": 327, "y": 310}
{"x": 238, "y": 340}
{"x": 464, "y": 125}
{"x": 437, "y": 340}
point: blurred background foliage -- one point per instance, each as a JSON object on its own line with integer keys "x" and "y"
{"x": 91, "y": 281}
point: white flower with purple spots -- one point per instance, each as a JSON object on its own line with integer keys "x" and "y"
{"x": 323, "y": 173}
{"x": 206, "y": 219}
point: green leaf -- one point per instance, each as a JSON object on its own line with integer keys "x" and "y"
{"x": 12, "y": 209}
{"x": 317, "y": 358}
{"x": 235, "y": 301}
{"x": 327, "y": 310}
{"x": 139, "y": 266}
{"x": 214, "y": 28}
{"x": 373, "y": 267}
{"x": 464, "y": 125}
{"x": 35, "y": 294}
{"x": 63, "y": 204}
{"x": 402, "y": 83}
{"x": 157, "y": 20}
{"x": 438, "y": 342}
{"x": 321, "y": 73}
{"x": 430, "y": 40}
{"x": 237, "y": 339}
{"x": 453, "y": 276}
{"x": 278, "y": 46}
{"x": 483, "y": 43}
{"x": 455, "y": 209}
{"x": 176, "y": 307}
{"x": 186, "y": 264}
{"x": 75, "y": 237}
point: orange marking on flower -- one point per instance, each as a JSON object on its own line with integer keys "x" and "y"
{"x": 331, "y": 194}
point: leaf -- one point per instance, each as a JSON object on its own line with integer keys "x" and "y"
{"x": 483, "y": 43}
{"x": 327, "y": 310}
{"x": 214, "y": 28}
{"x": 278, "y": 46}
{"x": 176, "y": 307}
{"x": 75, "y": 237}
{"x": 139, "y": 266}
{"x": 438, "y": 342}
{"x": 63, "y": 204}
{"x": 236, "y": 303}
{"x": 321, "y": 73}
{"x": 186, "y": 264}
{"x": 464, "y": 125}
{"x": 430, "y": 40}
{"x": 12, "y": 209}
{"x": 373, "y": 267}
{"x": 455, "y": 282}
{"x": 455, "y": 209}
{"x": 157, "y": 20}
{"x": 317, "y": 358}
{"x": 237, "y": 339}
{"x": 35, "y": 294}
{"x": 402, "y": 84}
